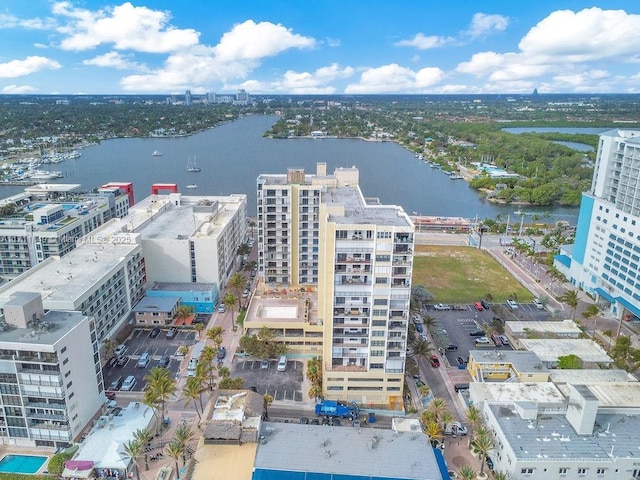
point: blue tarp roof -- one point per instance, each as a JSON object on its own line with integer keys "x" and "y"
{"x": 603, "y": 293}
{"x": 563, "y": 259}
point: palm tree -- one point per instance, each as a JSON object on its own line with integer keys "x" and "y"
{"x": 481, "y": 445}
{"x": 500, "y": 475}
{"x": 428, "y": 322}
{"x": 424, "y": 390}
{"x": 215, "y": 334}
{"x": 208, "y": 356}
{"x": 199, "y": 328}
{"x": 230, "y": 301}
{"x": 133, "y": 449}
{"x": 268, "y": 400}
{"x": 182, "y": 436}
{"x": 570, "y": 297}
{"x": 625, "y": 356}
{"x": 143, "y": 436}
{"x": 161, "y": 386}
{"x": 237, "y": 283}
{"x": 315, "y": 391}
{"x": 109, "y": 346}
{"x": 192, "y": 392}
{"x": 184, "y": 312}
{"x": 445, "y": 418}
{"x": 175, "y": 450}
{"x": 467, "y": 473}
{"x": 592, "y": 311}
{"x": 474, "y": 417}
{"x": 438, "y": 406}
{"x": 421, "y": 347}
{"x": 433, "y": 430}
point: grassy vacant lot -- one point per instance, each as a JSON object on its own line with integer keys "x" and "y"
{"x": 463, "y": 275}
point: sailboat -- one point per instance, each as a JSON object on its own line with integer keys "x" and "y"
{"x": 157, "y": 153}
{"x": 193, "y": 185}
{"x": 193, "y": 166}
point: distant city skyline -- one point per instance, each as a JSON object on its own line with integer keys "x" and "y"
{"x": 328, "y": 47}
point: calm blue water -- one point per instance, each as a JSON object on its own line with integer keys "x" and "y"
{"x": 581, "y": 147}
{"x": 233, "y": 155}
{"x": 21, "y": 463}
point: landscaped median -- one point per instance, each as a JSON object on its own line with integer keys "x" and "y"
{"x": 464, "y": 275}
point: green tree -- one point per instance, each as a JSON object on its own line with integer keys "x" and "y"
{"x": 481, "y": 445}
{"x": 215, "y": 335}
{"x": 133, "y": 449}
{"x": 267, "y": 401}
{"x": 183, "y": 435}
{"x": 199, "y": 328}
{"x": 192, "y": 392}
{"x": 160, "y": 386}
{"x": 237, "y": 281}
{"x": 231, "y": 301}
{"x": 208, "y": 357}
{"x": 421, "y": 347}
{"x": 175, "y": 450}
{"x": 467, "y": 472}
{"x": 263, "y": 344}
{"x": 570, "y": 298}
{"x": 433, "y": 430}
{"x": 143, "y": 436}
{"x": 109, "y": 346}
{"x": 592, "y": 311}
{"x": 569, "y": 362}
{"x": 624, "y": 355}
{"x": 437, "y": 407}
{"x": 184, "y": 311}
{"x": 315, "y": 391}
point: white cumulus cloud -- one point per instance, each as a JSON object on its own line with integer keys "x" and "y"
{"x": 114, "y": 60}
{"x": 18, "y": 89}
{"x": 425, "y": 42}
{"x": 32, "y": 64}
{"x": 125, "y": 27}
{"x": 11, "y": 21}
{"x": 250, "y": 41}
{"x": 483, "y": 24}
{"x": 394, "y": 78}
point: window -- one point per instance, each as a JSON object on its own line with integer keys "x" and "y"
{"x": 582, "y": 471}
{"x": 563, "y": 470}
{"x": 526, "y": 471}
{"x": 601, "y": 471}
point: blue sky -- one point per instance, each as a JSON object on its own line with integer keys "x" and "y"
{"x": 319, "y": 47}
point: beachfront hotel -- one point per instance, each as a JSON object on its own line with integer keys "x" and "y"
{"x": 605, "y": 256}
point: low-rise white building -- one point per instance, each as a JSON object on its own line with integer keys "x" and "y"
{"x": 50, "y": 378}
{"x": 549, "y": 350}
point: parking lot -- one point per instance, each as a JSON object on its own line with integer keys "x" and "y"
{"x": 140, "y": 342}
{"x": 285, "y": 385}
{"x": 453, "y": 326}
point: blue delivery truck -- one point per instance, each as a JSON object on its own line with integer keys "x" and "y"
{"x": 333, "y": 408}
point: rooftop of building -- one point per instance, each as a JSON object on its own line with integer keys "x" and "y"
{"x": 632, "y": 135}
{"x": 549, "y": 349}
{"x": 551, "y": 437}
{"x": 176, "y": 216}
{"x": 104, "y": 444}
{"x": 623, "y": 395}
{"x": 182, "y": 287}
{"x": 511, "y": 392}
{"x": 590, "y": 375}
{"x": 348, "y": 451}
{"x": 223, "y": 462}
{"x": 562, "y": 327}
{"x": 522, "y": 361}
{"x": 66, "y": 279}
{"x": 47, "y": 331}
{"x": 156, "y": 304}
{"x": 75, "y": 206}
{"x": 285, "y": 305}
{"x": 234, "y": 416}
{"x": 358, "y": 211}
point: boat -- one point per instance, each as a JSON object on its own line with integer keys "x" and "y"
{"x": 456, "y": 177}
{"x": 156, "y": 153}
{"x": 193, "y": 166}
{"x": 193, "y": 185}
{"x": 518, "y": 212}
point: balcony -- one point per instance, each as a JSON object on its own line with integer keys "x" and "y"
{"x": 354, "y": 259}
{"x": 341, "y": 333}
{"x": 402, "y": 249}
{"x": 51, "y": 382}
{"x": 403, "y": 238}
{"x": 401, "y": 284}
{"x": 353, "y": 281}
{"x": 396, "y": 346}
{"x": 47, "y": 416}
{"x": 397, "y": 326}
{"x": 52, "y": 406}
{"x": 55, "y": 395}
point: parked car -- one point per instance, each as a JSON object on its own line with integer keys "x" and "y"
{"x": 484, "y": 304}
{"x": 419, "y": 328}
{"x": 538, "y": 304}
{"x": 172, "y": 332}
{"x": 245, "y": 293}
{"x": 513, "y": 305}
{"x": 461, "y": 386}
{"x": 477, "y": 333}
{"x": 435, "y": 361}
{"x": 504, "y": 339}
{"x": 117, "y": 383}
{"x": 455, "y": 428}
{"x": 120, "y": 349}
{"x": 478, "y": 306}
{"x": 496, "y": 339}
{"x": 417, "y": 319}
{"x": 222, "y": 308}
{"x": 122, "y": 361}
{"x": 442, "y": 306}
{"x": 129, "y": 383}
{"x": 111, "y": 362}
{"x": 452, "y": 347}
{"x": 489, "y": 462}
{"x": 264, "y": 365}
{"x": 110, "y": 395}
{"x": 222, "y": 352}
{"x": 461, "y": 361}
{"x": 144, "y": 360}
{"x": 304, "y": 421}
{"x": 164, "y": 361}
{"x": 482, "y": 340}
{"x": 155, "y": 332}
{"x": 419, "y": 383}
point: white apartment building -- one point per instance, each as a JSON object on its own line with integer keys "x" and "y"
{"x": 103, "y": 277}
{"x": 188, "y": 239}
{"x": 47, "y": 220}
{"x": 50, "y": 377}
{"x": 605, "y": 256}
{"x": 319, "y": 230}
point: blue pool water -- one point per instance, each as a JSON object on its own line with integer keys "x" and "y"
{"x": 21, "y": 463}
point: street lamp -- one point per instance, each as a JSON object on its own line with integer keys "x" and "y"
{"x": 481, "y": 232}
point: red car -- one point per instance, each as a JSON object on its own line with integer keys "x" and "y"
{"x": 478, "y": 306}
{"x": 435, "y": 362}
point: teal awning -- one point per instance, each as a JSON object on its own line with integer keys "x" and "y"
{"x": 603, "y": 293}
{"x": 563, "y": 259}
{"x": 629, "y": 306}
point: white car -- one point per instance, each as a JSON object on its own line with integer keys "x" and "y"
{"x": 442, "y": 306}
{"x": 483, "y": 340}
{"x": 513, "y": 305}
{"x": 120, "y": 349}
{"x": 538, "y": 304}
{"x": 129, "y": 383}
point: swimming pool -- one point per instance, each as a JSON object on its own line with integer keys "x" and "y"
{"x": 21, "y": 463}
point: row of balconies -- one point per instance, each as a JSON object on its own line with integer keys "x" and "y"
{"x": 353, "y": 270}
{"x": 350, "y": 312}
